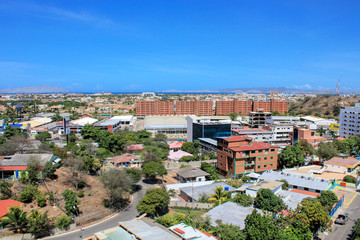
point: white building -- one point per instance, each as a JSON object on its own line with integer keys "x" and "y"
{"x": 350, "y": 121}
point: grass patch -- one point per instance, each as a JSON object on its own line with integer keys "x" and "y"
{"x": 186, "y": 211}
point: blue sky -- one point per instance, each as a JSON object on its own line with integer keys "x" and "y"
{"x": 184, "y": 45}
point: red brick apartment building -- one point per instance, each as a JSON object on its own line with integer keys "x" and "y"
{"x": 203, "y": 108}
{"x": 237, "y": 155}
{"x": 147, "y": 108}
{"x": 235, "y": 106}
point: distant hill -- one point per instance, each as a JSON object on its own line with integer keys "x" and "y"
{"x": 322, "y": 105}
{"x": 266, "y": 90}
{"x": 35, "y": 89}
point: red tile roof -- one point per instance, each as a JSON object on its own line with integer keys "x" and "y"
{"x": 253, "y": 146}
{"x": 176, "y": 145}
{"x": 12, "y": 168}
{"x": 134, "y": 147}
{"x": 347, "y": 162}
{"x": 305, "y": 192}
{"x": 6, "y": 204}
{"x": 237, "y": 138}
{"x": 124, "y": 158}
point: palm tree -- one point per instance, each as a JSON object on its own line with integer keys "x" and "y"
{"x": 321, "y": 131}
{"x": 16, "y": 217}
{"x": 220, "y": 196}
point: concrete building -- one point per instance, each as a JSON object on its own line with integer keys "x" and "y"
{"x": 174, "y": 127}
{"x": 350, "y": 121}
{"x": 187, "y": 232}
{"x": 274, "y": 186}
{"x": 208, "y": 145}
{"x": 127, "y": 160}
{"x": 342, "y": 165}
{"x": 111, "y": 125}
{"x": 239, "y": 155}
{"x": 191, "y": 193}
{"x": 235, "y": 106}
{"x": 191, "y": 174}
{"x": 300, "y": 182}
{"x": 259, "y": 118}
{"x": 207, "y": 127}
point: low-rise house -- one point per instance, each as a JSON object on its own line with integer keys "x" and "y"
{"x": 187, "y": 232}
{"x": 191, "y": 193}
{"x": 274, "y": 186}
{"x": 134, "y": 148}
{"x": 229, "y": 213}
{"x": 298, "y": 181}
{"x": 294, "y": 197}
{"x": 176, "y": 156}
{"x": 11, "y": 166}
{"x": 127, "y": 160}
{"x": 175, "y": 146}
{"x": 191, "y": 174}
{"x": 342, "y": 165}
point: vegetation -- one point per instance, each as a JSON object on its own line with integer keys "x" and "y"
{"x": 220, "y": 196}
{"x": 5, "y": 190}
{"x": 71, "y": 202}
{"x": 327, "y": 200}
{"x": 154, "y": 203}
{"x": 190, "y": 147}
{"x": 29, "y": 194}
{"x": 118, "y": 184}
{"x": 153, "y": 169}
{"x": 39, "y": 223}
{"x": 305, "y": 147}
{"x": 349, "y": 179}
{"x": 244, "y": 200}
{"x": 43, "y": 136}
{"x": 268, "y": 201}
{"x": 207, "y": 167}
{"x": 15, "y": 218}
{"x": 63, "y": 222}
{"x": 291, "y": 156}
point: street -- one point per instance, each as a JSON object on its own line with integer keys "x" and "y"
{"x": 344, "y": 231}
{"x": 127, "y": 214}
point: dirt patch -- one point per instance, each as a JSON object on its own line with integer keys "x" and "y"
{"x": 91, "y": 205}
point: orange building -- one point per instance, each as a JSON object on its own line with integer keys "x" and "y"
{"x": 204, "y": 108}
{"x": 279, "y": 106}
{"x": 235, "y": 106}
{"x": 305, "y": 133}
{"x": 238, "y": 155}
{"x": 148, "y": 108}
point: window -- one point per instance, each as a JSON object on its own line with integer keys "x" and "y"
{"x": 306, "y": 189}
{"x": 259, "y": 166}
{"x": 271, "y": 157}
{"x": 265, "y": 165}
{"x": 318, "y": 191}
{"x": 253, "y": 151}
{"x": 260, "y": 151}
{"x": 273, "y": 150}
{"x": 294, "y": 187}
{"x": 271, "y": 165}
{"x": 265, "y": 158}
{"x": 259, "y": 159}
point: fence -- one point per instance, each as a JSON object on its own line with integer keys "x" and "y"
{"x": 177, "y": 165}
{"x": 337, "y": 205}
{"x": 191, "y": 205}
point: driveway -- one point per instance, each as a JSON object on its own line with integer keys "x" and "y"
{"x": 128, "y": 213}
{"x": 344, "y": 231}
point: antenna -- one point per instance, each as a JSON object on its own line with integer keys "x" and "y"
{"x": 338, "y": 88}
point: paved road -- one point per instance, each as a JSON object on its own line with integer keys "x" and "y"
{"x": 125, "y": 215}
{"x": 344, "y": 231}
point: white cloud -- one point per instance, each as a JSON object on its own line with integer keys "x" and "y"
{"x": 305, "y": 86}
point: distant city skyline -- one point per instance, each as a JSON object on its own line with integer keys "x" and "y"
{"x": 133, "y": 46}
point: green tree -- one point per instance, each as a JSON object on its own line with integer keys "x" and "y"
{"x": 233, "y": 116}
{"x": 154, "y": 203}
{"x": 152, "y": 154}
{"x": 16, "y": 218}
{"x": 291, "y": 156}
{"x": 326, "y": 150}
{"x": 321, "y": 130}
{"x": 56, "y": 118}
{"x": 134, "y": 173}
{"x": 186, "y": 159}
{"x": 305, "y": 147}
{"x": 327, "y": 199}
{"x": 34, "y": 172}
{"x": 43, "y": 136}
{"x": 229, "y": 232}
{"x": 12, "y": 131}
{"x": 29, "y": 193}
{"x": 261, "y": 227}
{"x": 153, "y": 169}
{"x": 220, "y": 196}
{"x": 49, "y": 170}
{"x": 5, "y": 190}
{"x": 286, "y": 185}
{"x": 39, "y": 223}
{"x": 71, "y": 202}
{"x": 268, "y": 201}
{"x": 207, "y": 167}
{"x": 245, "y": 179}
{"x": 189, "y": 147}
{"x": 118, "y": 184}
{"x": 63, "y": 222}
{"x": 41, "y": 200}
{"x": 314, "y": 214}
{"x": 244, "y": 200}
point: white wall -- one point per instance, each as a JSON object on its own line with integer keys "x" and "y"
{"x": 335, "y": 168}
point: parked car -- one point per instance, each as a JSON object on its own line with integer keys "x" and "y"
{"x": 342, "y": 219}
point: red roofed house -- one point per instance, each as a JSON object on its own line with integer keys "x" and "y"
{"x": 175, "y": 146}
{"x": 134, "y": 148}
{"x": 127, "y": 160}
{"x": 342, "y": 165}
{"x": 6, "y": 204}
{"x": 237, "y": 155}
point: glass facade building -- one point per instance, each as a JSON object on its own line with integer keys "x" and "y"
{"x": 211, "y": 130}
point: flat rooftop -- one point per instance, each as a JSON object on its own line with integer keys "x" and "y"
{"x": 268, "y": 184}
{"x": 165, "y": 121}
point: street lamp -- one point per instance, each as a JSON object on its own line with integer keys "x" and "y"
{"x": 81, "y": 227}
